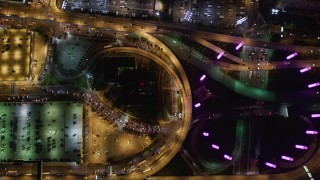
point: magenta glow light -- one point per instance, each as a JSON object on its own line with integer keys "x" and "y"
{"x": 311, "y": 132}
{"x": 227, "y": 157}
{"x": 203, "y": 77}
{"x": 305, "y": 69}
{"x": 314, "y": 85}
{"x": 292, "y": 55}
{"x": 240, "y": 45}
{"x": 215, "y": 146}
{"x": 197, "y": 105}
{"x": 287, "y": 158}
{"x": 301, "y": 147}
{"x": 205, "y": 134}
{"x": 270, "y": 165}
{"x": 315, "y": 115}
{"x": 220, "y": 55}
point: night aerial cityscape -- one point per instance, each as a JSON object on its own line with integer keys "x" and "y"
{"x": 159, "y": 89}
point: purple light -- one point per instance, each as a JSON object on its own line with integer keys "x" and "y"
{"x": 287, "y": 158}
{"x": 292, "y": 55}
{"x": 314, "y": 85}
{"x": 301, "y": 147}
{"x": 270, "y": 165}
{"x": 215, "y": 146}
{"x": 239, "y": 45}
{"x": 305, "y": 69}
{"x": 315, "y": 115}
{"x": 227, "y": 157}
{"x": 220, "y": 55}
{"x": 311, "y": 132}
{"x": 197, "y": 105}
{"x": 203, "y": 77}
{"x": 205, "y": 134}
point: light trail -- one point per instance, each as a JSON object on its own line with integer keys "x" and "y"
{"x": 292, "y": 55}
{"x": 240, "y": 45}
{"x": 305, "y": 69}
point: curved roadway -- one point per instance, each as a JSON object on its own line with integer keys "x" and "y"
{"x": 78, "y": 18}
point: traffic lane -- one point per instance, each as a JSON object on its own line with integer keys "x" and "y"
{"x": 72, "y": 14}
{"x": 271, "y": 68}
{"x": 257, "y": 43}
{"x": 229, "y": 39}
{"x": 117, "y": 19}
{"x": 30, "y": 90}
{"x": 248, "y": 42}
{"x": 247, "y": 65}
{"x": 212, "y": 62}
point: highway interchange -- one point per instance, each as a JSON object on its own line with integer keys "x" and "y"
{"x": 171, "y": 65}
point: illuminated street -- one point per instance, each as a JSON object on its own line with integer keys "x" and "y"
{"x": 127, "y": 89}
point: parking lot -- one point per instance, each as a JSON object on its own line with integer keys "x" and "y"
{"x": 220, "y": 12}
{"x": 72, "y": 52}
{"x": 107, "y": 144}
{"x": 15, "y": 54}
{"x": 50, "y": 131}
{"x": 118, "y": 7}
